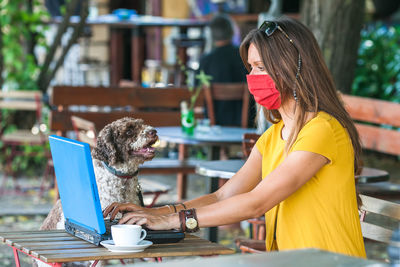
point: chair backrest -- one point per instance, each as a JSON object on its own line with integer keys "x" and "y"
{"x": 102, "y": 105}
{"x": 85, "y": 130}
{"x": 22, "y": 100}
{"x": 376, "y": 121}
{"x": 227, "y": 92}
{"x": 381, "y": 207}
{"x": 248, "y": 142}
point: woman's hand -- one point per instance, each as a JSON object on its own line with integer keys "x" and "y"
{"x": 151, "y": 221}
{"x": 116, "y": 207}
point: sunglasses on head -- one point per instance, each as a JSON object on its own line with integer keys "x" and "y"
{"x": 269, "y": 27}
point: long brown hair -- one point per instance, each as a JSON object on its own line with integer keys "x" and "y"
{"x": 314, "y": 88}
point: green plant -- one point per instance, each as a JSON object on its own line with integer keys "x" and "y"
{"x": 194, "y": 86}
{"x": 22, "y": 30}
{"x": 377, "y": 74}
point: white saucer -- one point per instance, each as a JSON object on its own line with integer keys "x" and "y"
{"x": 109, "y": 244}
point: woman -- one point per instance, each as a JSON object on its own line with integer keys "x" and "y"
{"x": 301, "y": 171}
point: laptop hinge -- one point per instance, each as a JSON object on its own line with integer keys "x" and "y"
{"x": 85, "y": 233}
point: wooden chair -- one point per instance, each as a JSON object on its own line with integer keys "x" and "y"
{"x": 227, "y": 92}
{"x": 370, "y": 229}
{"x": 249, "y": 140}
{"x": 85, "y": 130}
{"x": 29, "y": 101}
{"x": 156, "y": 106}
{"x": 380, "y": 207}
{"x": 256, "y": 244}
{"x": 377, "y": 122}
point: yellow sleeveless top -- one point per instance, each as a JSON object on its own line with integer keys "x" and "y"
{"x": 323, "y": 213}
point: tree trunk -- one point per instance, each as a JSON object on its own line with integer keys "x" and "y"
{"x": 336, "y": 24}
{"x": 62, "y": 28}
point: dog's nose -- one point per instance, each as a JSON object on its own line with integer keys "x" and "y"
{"x": 152, "y": 133}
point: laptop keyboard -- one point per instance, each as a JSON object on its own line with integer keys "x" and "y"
{"x": 108, "y": 224}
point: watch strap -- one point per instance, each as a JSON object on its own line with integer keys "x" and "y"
{"x": 184, "y": 215}
{"x": 182, "y": 220}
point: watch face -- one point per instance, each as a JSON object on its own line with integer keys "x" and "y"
{"x": 191, "y": 223}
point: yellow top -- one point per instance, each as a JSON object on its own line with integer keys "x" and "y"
{"x": 323, "y": 213}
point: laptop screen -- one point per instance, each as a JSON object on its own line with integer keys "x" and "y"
{"x": 76, "y": 183}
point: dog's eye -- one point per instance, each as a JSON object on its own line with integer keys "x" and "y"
{"x": 129, "y": 132}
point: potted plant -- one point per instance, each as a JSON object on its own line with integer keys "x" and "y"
{"x": 188, "y": 121}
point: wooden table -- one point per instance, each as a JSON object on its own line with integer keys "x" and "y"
{"x": 298, "y": 258}
{"x": 227, "y": 168}
{"x": 57, "y": 246}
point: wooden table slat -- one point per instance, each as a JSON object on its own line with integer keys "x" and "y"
{"x": 27, "y": 242}
{"x": 40, "y": 239}
{"x": 50, "y": 244}
{"x": 187, "y": 241}
{"x": 38, "y": 253}
{"x": 33, "y": 233}
{"x": 30, "y": 234}
{"x": 63, "y": 247}
{"x": 147, "y": 253}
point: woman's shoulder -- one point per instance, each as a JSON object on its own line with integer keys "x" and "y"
{"x": 322, "y": 122}
{"x": 272, "y": 132}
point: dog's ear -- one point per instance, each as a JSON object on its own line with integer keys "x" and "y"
{"x": 106, "y": 149}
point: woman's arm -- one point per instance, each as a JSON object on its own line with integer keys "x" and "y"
{"x": 243, "y": 181}
{"x": 287, "y": 178}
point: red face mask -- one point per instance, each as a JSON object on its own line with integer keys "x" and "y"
{"x": 262, "y": 87}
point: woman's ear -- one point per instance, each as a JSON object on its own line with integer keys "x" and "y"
{"x": 106, "y": 149}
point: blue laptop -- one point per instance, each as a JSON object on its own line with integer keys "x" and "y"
{"x": 79, "y": 196}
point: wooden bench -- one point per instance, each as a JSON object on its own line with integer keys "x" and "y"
{"x": 102, "y": 105}
{"x": 377, "y": 122}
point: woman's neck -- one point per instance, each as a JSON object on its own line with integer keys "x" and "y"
{"x": 287, "y": 113}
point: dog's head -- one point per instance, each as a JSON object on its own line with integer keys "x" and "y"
{"x": 125, "y": 141}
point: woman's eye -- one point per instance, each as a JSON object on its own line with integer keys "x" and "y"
{"x": 261, "y": 68}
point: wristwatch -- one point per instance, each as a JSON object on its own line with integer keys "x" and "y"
{"x": 188, "y": 220}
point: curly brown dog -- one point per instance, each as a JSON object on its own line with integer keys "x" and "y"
{"x": 121, "y": 147}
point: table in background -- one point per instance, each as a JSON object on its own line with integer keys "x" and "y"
{"x": 57, "y": 246}
{"x": 214, "y": 136}
{"x": 298, "y": 258}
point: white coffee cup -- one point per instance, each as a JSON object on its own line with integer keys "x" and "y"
{"x": 127, "y": 234}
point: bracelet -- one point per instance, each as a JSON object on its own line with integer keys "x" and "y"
{"x": 173, "y": 205}
{"x": 184, "y": 206}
